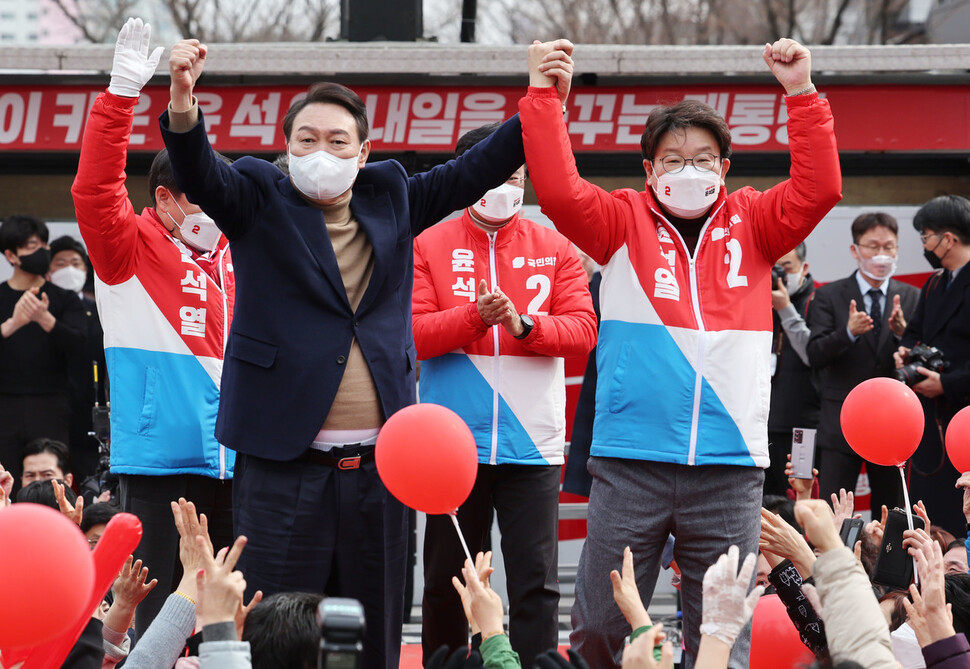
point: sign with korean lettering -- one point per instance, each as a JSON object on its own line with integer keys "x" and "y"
{"x": 248, "y": 119}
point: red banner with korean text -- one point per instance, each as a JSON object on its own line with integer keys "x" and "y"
{"x": 248, "y": 119}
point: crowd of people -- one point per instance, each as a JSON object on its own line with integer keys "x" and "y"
{"x": 261, "y": 321}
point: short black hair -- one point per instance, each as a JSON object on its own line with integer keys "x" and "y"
{"x": 68, "y": 243}
{"x": 17, "y": 229}
{"x": 473, "y": 137}
{"x": 160, "y": 174}
{"x": 52, "y": 446}
{"x": 98, "y": 514}
{"x": 282, "y": 631}
{"x": 333, "y": 94}
{"x": 42, "y": 492}
{"x": 863, "y": 223}
{"x": 957, "y": 589}
{"x": 946, "y": 213}
{"x": 685, "y": 114}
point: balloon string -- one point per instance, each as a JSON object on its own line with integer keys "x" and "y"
{"x": 461, "y": 537}
{"x": 909, "y": 517}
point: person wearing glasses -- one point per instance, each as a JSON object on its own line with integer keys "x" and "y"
{"x": 499, "y": 301}
{"x": 856, "y": 326}
{"x": 941, "y": 320}
{"x": 680, "y": 438}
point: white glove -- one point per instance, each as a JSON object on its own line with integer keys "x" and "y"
{"x": 132, "y": 66}
{"x": 727, "y": 604}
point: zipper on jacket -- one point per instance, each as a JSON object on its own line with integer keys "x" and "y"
{"x": 493, "y": 278}
{"x": 696, "y": 304}
{"x": 225, "y": 342}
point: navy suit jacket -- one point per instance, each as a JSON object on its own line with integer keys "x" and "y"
{"x": 293, "y": 326}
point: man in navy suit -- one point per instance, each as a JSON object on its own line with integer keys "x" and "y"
{"x": 321, "y": 352}
{"x": 942, "y": 320}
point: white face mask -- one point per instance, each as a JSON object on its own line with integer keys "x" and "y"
{"x": 688, "y": 193}
{"x": 198, "y": 230}
{"x": 500, "y": 204}
{"x": 321, "y": 175}
{"x": 877, "y": 268}
{"x": 69, "y": 278}
{"x": 793, "y": 281}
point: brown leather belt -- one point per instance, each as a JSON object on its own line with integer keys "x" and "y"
{"x": 351, "y": 458}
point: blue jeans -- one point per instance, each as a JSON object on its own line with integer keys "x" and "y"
{"x": 637, "y": 503}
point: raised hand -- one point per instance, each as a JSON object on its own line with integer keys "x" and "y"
{"x": 929, "y": 613}
{"x": 483, "y": 567}
{"x": 551, "y": 64}
{"x": 817, "y": 518}
{"x": 220, "y": 588}
{"x": 781, "y": 540}
{"x": 193, "y": 555}
{"x": 964, "y": 482}
{"x": 897, "y": 320}
{"x": 72, "y": 512}
{"x": 627, "y": 595}
{"x": 6, "y": 487}
{"x": 640, "y": 653}
{"x": 859, "y": 321}
{"x": 802, "y": 487}
{"x": 243, "y": 612}
{"x": 185, "y": 65}
{"x": 791, "y": 63}
{"x": 132, "y": 66}
{"x": 485, "y": 604}
{"x": 843, "y": 505}
{"x": 130, "y": 588}
{"x": 727, "y": 604}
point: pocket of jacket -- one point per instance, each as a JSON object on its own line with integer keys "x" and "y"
{"x": 148, "y": 402}
{"x": 253, "y": 351}
{"x": 619, "y": 397}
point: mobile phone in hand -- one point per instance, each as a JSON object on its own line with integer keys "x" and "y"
{"x": 802, "y": 453}
{"x": 851, "y": 530}
{"x": 894, "y": 566}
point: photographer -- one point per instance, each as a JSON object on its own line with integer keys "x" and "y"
{"x": 942, "y": 321}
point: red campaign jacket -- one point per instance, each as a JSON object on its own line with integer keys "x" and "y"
{"x": 684, "y": 343}
{"x": 510, "y": 392}
{"x": 165, "y": 311}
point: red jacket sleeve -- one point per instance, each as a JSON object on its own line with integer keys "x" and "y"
{"x": 785, "y": 214}
{"x": 569, "y": 330}
{"x": 439, "y": 332}
{"x": 588, "y": 215}
{"x": 105, "y": 215}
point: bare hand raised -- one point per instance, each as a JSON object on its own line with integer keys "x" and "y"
{"x": 185, "y": 65}
{"x": 791, "y": 63}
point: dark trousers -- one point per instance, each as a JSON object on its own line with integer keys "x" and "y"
{"x": 150, "y": 498}
{"x": 24, "y": 418}
{"x": 526, "y": 502}
{"x": 839, "y": 469}
{"x": 315, "y": 528}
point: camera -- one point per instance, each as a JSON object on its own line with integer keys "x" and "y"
{"x": 921, "y": 355}
{"x": 777, "y": 272}
{"x": 341, "y": 622}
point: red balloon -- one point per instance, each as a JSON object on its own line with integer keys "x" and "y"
{"x": 46, "y": 575}
{"x": 426, "y": 456}
{"x": 882, "y": 419}
{"x": 958, "y": 440}
{"x": 775, "y": 643}
{"x": 119, "y": 539}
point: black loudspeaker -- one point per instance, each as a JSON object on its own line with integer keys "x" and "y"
{"x": 381, "y": 20}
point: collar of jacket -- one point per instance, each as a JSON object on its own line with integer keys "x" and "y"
{"x": 503, "y": 235}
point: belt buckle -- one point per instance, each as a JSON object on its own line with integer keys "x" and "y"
{"x": 349, "y": 463}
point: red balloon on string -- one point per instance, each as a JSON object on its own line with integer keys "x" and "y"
{"x": 958, "y": 440}
{"x": 775, "y": 643}
{"x": 46, "y": 575}
{"x": 426, "y": 456}
{"x": 882, "y": 419}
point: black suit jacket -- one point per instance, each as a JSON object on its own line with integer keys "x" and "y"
{"x": 841, "y": 364}
{"x": 293, "y": 325}
{"x": 942, "y": 319}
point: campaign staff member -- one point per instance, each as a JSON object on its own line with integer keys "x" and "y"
{"x": 165, "y": 294}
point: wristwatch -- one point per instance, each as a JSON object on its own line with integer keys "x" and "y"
{"x": 527, "y": 325}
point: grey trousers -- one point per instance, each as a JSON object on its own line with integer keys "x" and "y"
{"x": 636, "y": 503}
